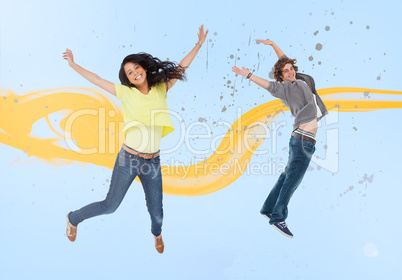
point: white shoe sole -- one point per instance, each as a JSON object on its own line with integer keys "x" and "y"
{"x": 266, "y": 216}
{"x": 290, "y": 236}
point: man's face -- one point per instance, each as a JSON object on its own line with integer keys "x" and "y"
{"x": 288, "y": 73}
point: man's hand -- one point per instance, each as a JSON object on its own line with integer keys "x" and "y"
{"x": 266, "y": 42}
{"x": 242, "y": 72}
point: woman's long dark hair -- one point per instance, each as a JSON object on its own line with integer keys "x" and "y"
{"x": 157, "y": 71}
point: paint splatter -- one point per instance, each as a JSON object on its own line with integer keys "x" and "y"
{"x": 318, "y": 47}
{"x": 327, "y": 28}
{"x": 368, "y": 179}
{"x": 311, "y": 58}
{"x": 378, "y": 78}
{"x": 315, "y": 33}
{"x": 367, "y": 27}
{"x": 355, "y": 128}
{"x": 196, "y": 182}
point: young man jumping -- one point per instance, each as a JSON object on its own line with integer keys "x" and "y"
{"x": 297, "y": 91}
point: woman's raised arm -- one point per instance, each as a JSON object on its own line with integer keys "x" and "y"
{"x": 186, "y": 61}
{"x": 93, "y": 78}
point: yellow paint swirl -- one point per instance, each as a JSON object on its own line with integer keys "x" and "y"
{"x": 88, "y": 127}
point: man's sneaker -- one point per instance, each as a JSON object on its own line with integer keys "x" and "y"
{"x": 268, "y": 215}
{"x": 159, "y": 245}
{"x": 71, "y": 230}
{"x": 283, "y": 228}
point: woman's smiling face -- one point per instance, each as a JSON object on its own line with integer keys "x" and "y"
{"x": 135, "y": 73}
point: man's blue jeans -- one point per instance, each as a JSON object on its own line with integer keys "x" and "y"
{"x": 276, "y": 204}
{"x": 126, "y": 168}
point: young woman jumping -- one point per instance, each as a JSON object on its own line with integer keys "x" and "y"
{"x": 145, "y": 81}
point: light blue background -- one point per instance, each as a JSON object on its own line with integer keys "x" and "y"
{"x": 346, "y": 222}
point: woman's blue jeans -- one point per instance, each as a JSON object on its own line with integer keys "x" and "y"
{"x": 276, "y": 204}
{"x": 126, "y": 168}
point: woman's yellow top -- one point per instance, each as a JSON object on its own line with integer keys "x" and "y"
{"x": 146, "y": 117}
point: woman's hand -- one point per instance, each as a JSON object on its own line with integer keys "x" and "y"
{"x": 201, "y": 35}
{"x": 243, "y": 72}
{"x": 68, "y": 55}
{"x": 266, "y": 42}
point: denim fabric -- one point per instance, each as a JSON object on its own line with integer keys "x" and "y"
{"x": 126, "y": 168}
{"x": 276, "y": 204}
